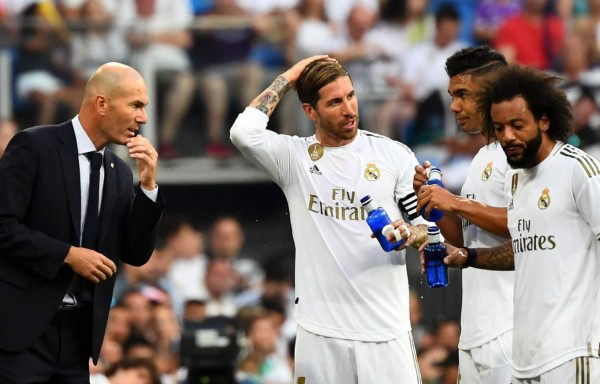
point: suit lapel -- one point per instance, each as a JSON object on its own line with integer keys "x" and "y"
{"x": 67, "y": 150}
{"x": 109, "y": 194}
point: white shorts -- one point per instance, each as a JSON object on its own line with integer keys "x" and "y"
{"x": 38, "y": 81}
{"x": 581, "y": 370}
{"x": 326, "y": 360}
{"x": 489, "y": 363}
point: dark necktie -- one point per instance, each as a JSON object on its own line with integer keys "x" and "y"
{"x": 92, "y": 221}
{"x": 81, "y": 289}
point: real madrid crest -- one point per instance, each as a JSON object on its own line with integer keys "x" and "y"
{"x": 487, "y": 172}
{"x": 372, "y": 172}
{"x": 315, "y": 151}
{"x": 544, "y": 200}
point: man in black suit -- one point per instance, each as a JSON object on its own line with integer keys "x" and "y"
{"x": 56, "y": 288}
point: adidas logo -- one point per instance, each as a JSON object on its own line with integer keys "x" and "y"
{"x": 314, "y": 169}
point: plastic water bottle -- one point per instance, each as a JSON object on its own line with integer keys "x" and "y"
{"x": 434, "y": 176}
{"x": 380, "y": 223}
{"x": 434, "y": 253}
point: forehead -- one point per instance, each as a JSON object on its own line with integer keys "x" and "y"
{"x": 464, "y": 83}
{"x": 515, "y": 108}
{"x": 340, "y": 87}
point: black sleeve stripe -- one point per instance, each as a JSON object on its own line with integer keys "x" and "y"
{"x": 588, "y": 163}
{"x": 378, "y": 136}
{"x": 408, "y": 205}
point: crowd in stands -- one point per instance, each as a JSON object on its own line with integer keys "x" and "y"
{"x": 204, "y": 61}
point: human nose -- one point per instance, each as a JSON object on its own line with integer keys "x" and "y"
{"x": 506, "y": 135}
{"x": 142, "y": 116}
{"x": 455, "y": 105}
{"x": 348, "y": 108}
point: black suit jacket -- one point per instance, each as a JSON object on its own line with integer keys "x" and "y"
{"x": 40, "y": 204}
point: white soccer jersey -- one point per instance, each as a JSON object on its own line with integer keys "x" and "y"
{"x": 346, "y": 285}
{"x": 554, "y": 221}
{"x": 487, "y": 302}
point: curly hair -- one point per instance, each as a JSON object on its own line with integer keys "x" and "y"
{"x": 315, "y": 76}
{"x": 540, "y": 92}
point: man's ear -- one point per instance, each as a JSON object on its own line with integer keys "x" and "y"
{"x": 544, "y": 123}
{"x": 309, "y": 111}
{"x": 101, "y": 105}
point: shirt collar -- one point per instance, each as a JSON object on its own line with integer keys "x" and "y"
{"x": 84, "y": 143}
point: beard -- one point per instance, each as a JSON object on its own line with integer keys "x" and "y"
{"x": 332, "y": 130}
{"x": 528, "y": 157}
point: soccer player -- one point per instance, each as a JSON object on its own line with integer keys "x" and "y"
{"x": 555, "y": 230}
{"x": 352, "y": 297}
{"x": 487, "y": 312}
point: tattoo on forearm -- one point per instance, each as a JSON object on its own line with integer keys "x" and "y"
{"x": 270, "y": 97}
{"x": 280, "y": 85}
{"x": 500, "y": 258}
{"x": 420, "y": 233}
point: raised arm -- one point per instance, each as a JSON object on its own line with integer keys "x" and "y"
{"x": 270, "y": 97}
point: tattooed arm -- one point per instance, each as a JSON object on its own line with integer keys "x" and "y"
{"x": 499, "y": 258}
{"x": 270, "y": 97}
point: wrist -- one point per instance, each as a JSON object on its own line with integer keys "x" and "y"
{"x": 471, "y": 258}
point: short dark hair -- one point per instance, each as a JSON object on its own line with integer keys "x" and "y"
{"x": 474, "y": 61}
{"x": 446, "y": 11}
{"x": 540, "y": 92}
{"x": 315, "y": 76}
{"x": 135, "y": 363}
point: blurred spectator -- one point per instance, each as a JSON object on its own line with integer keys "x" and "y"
{"x": 421, "y": 336}
{"x": 221, "y": 57}
{"x": 119, "y": 326}
{"x": 159, "y": 38}
{"x": 531, "y": 37}
{"x": 424, "y": 83}
{"x": 151, "y": 275}
{"x": 129, "y": 371}
{"x": 588, "y": 26}
{"x": 194, "y": 311}
{"x": 219, "y": 282}
{"x": 429, "y": 364}
{"x": 111, "y": 353}
{"x": 338, "y": 11}
{"x": 276, "y": 294}
{"x": 581, "y": 83}
{"x": 96, "y": 40}
{"x": 8, "y": 128}
{"x": 226, "y": 242}
{"x": 262, "y": 365}
{"x": 490, "y": 14}
{"x": 168, "y": 333}
{"x": 44, "y": 76}
{"x": 140, "y": 314}
{"x": 403, "y": 25}
{"x": 466, "y": 13}
{"x": 186, "y": 275}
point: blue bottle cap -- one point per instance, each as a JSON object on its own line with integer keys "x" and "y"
{"x": 365, "y": 199}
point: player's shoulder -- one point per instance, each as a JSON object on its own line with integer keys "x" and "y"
{"x": 385, "y": 142}
{"x": 578, "y": 160}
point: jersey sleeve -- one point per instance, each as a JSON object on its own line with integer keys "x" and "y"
{"x": 266, "y": 149}
{"x": 585, "y": 185}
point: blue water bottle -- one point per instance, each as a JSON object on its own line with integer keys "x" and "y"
{"x": 434, "y": 176}
{"x": 378, "y": 219}
{"x": 434, "y": 253}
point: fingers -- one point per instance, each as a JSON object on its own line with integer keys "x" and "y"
{"x": 456, "y": 258}
{"x": 140, "y": 148}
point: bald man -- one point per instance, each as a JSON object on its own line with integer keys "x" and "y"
{"x": 57, "y": 273}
